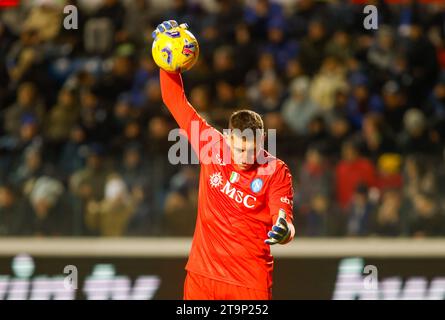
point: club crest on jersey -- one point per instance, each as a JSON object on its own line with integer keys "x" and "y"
{"x": 256, "y": 185}
{"x": 216, "y": 180}
{"x": 234, "y": 177}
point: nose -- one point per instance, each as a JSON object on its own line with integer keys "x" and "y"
{"x": 247, "y": 158}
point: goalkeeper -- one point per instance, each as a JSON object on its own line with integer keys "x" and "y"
{"x": 244, "y": 205}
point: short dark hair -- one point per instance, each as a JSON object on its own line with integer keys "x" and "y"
{"x": 246, "y": 119}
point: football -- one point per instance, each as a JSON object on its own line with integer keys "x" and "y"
{"x": 175, "y": 50}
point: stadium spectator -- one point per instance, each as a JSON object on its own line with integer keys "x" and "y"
{"x": 351, "y": 171}
{"x": 427, "y": 220}
{"x": 136, "y": 173}
{"x": 45, "y": 18}
{"x": 244, "y": 49}
{"x": 13, "y": 220}
{"x": 361, "y": 101}
{"x": 259, "y": 14}
{"x": 327, "y": 82}
{"x": 24, "y": 58}
{"x": 268, "y": 95}
{"x": 359, "y": 212}
{"x": 133, "y": 169}
{"x": 61, "y": 118}
{"x": 340, "y": 46}
{"x": 137, "y": 14}
{"x": 435, "y": 108}
{"x": 30, "y": 167}
{"x": 88, "y": 183}
{"x": 318, "y": 217}
{"x": 74, "y": 152}
{"x": 266, "y": 66}
{"x": 47, "y": 218}
{"x": 226, "y": 101}
{"x": 313, "y": 47}
{"x": 110, "y": 217}
{"x": 278, "y": 45}
{"x": 374, "y": 138}
{"x": 180, "y": 203}
{"x": 93, "y": 116}
{"x": 422, "y": 63}
{"x": 315, "y": 179}
{"x": 394, "y": 100}
{"x": 27, "y": 104}
{"x": 299, "y": 108}
{"x": 382, "y": 54}
{"x": 339, "y": 131}
{"x": 388, "y": 220}
{"x": 416, "y": 136}
{"x": 120, "y": 78}
{"x": 389, "y": 172}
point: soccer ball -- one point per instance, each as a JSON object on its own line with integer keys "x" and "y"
{"x": 175, "y": 50}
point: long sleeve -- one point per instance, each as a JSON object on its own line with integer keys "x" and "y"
{"x": 174, "y": 98}
{"x": 183, "y": 112}
{"x": 281, "y": 198}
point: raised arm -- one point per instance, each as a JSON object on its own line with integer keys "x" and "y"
{"x": 174, "y": 98}
{"x": 197, "y": 130}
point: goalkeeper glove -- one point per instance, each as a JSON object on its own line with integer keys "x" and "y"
{"x": 280, "y": 231}
{"x": 167, "y": 25}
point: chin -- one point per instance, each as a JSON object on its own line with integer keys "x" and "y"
{"x": 244, "y": 167}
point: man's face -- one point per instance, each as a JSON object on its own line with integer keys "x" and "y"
{"x": 244, "y": 150}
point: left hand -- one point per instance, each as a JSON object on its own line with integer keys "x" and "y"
{"x": 280, "y": 231}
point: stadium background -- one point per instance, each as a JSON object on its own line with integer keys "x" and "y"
{"x": 360, "y": 119}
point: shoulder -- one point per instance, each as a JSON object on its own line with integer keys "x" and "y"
{"x": 276, "y": 168}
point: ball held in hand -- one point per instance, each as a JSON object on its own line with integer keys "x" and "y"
{"x": 175, "y": 49}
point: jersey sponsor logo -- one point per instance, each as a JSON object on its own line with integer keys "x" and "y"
{"x": 256, "y": 185}
{"x": 216, "y": 180}
{"x": 234, "y": 177}
{"x": 247, "y": 200}
{"x": 286, "y": 200}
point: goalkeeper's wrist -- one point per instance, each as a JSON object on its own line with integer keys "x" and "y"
{"x": 290, "y": 234}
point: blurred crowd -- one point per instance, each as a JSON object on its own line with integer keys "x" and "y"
{"x": 360, "y": 114}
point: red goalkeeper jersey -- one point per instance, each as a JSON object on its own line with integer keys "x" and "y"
{"x": 236, "y": 208}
